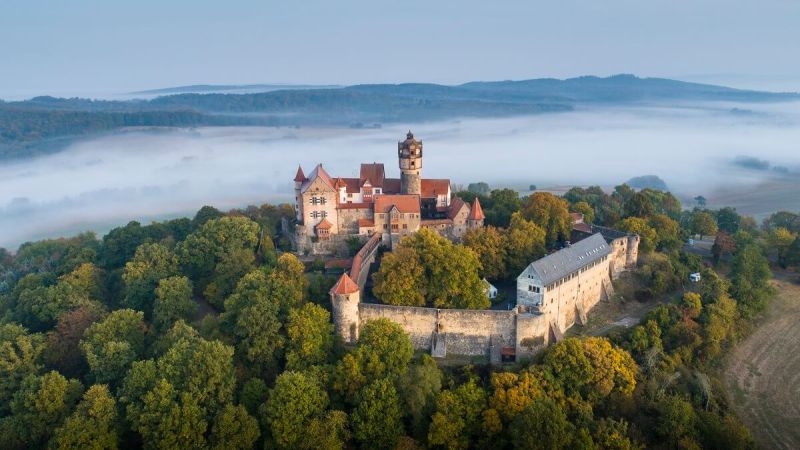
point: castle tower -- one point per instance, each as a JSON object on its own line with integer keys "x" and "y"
{"x": 345, "y": 297}
{"x": 409, "y": 152}
{"x": 299, "y": 178}
{"x": 475, "y": 218}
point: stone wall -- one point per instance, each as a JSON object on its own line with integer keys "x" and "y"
{"x": 419, "y": 323}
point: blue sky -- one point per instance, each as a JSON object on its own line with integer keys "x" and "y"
{"x": 101, "y": 46}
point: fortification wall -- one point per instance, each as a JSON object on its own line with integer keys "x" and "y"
{"x": 419, "y": 323}
{"x": 474, "y": 332}
{"x": 532, "y": 334}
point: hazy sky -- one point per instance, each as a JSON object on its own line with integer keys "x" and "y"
{"x": 98, "y": 46}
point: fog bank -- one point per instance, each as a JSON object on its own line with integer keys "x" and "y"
{"x": 144, "y": 175}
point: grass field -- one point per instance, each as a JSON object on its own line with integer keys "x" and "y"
{"x": 762, "y": 374}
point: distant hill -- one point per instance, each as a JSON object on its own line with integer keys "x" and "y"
{"x": 230, "y": 88}
{"x": 26, "y": 126}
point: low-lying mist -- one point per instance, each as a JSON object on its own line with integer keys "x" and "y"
{"x": 146, "y": 175}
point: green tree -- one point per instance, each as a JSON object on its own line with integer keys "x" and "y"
{"x": 504, "y": 203}
{"x": 456, "y": 422}
{"x": 703, "y": 223}
{"x": 399, "y": 279}
{"x": 205, "y": 214}
{"x": 63, "y": 351}
{"x": 377, "y": 419}
{"x": 585, "y": 209}
{"x": 418, "y": 389}
{"x": 93, "y": 424}
{"x": 218, "y": 253}
{"x": 171, "y": 419}
{"x": 639, "y": 205}
{"x": 542, "y": 425}
{"x": 780, "y": 240}
{"x": 667, "y": 232}
{"x": 233, "y": 428}
{"x": 39, "y": 307}
{"x": 647, "y": 234}
{"x": 612, "y": 434}
{"x": 677, "y": 420}
{"x": 328, "y": 432}
{"x": 383, "y": 351}
{"x": 750, "y": 276}
{"x": 20, "y": 353}
{"x": 151, "y": 263}
{"x": 489, "y": 244}
{"x": 551, "y": 214}
{"x": 524, "y": 243}
{"x": 173, "y": 302}
{"x": 728, "y": 220}
{"x": 295, "y": 400}
{"x": 37, "y": 409}
{"x": 310, "y": 334}
{"x": 591, "y": 368}
{"x": 252, "y": 317}
{"x": 112, "y": 345}
{"x": 88, "y": 279}
{"x": 478, "y": 188}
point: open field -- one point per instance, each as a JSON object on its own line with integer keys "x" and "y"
{"x": 762, "y": 374}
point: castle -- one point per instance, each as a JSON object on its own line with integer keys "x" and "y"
{"x": 553, "y": 293}
{"x": 327, "y": 207}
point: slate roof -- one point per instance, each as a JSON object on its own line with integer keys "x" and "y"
{"x": 608, "y": 233}
{"x": 556, "y": 266}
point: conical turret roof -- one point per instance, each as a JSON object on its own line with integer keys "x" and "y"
{"x": 476, "y": 213}
{"x": 345, "y": 285}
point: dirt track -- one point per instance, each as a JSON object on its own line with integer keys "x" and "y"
{"x": 762, "y": 374}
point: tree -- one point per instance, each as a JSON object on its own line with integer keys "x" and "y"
{"x": 591, "y": 368}
{"x": 310, "y": 334}
{"x": 489, "y": 244}
{"x": 667, "y": 232}
{"x": 512, "y": 392}
{"x": 171, "y": 419}
{"x": 551, "y": 214}
{"x": 701, "y": 201}
{"x": 449, "y": 272}
{"x": 639, "y": 205}
{"x": 88, "y": 279}
{"x": 647, "y": 234}
{"x": 677, "y": 419}
{"x": 295, "y": 400}
{"x": 37, "y": 408}
{"x": 205, "y": 214}
{"x": 398, "y": 281}
{"x": 525, "y": 243}
{"x": 233, "y": 428}
{"x": 218, "y": 253}
{"x": 612, "y": 434}
{"x": 703, "y": 223}
{"x": 93, "y": 424}
{"x": 328, "y": 432}
{"x": 542, "y": 425}
{"x": 780, "y": 240}
{"x": 251, "y": 317}
{"x": 40, "y": 307}
{"x": 457, "y": 418}
{"x": 63, "y": 351}
{"x": 173, "y": 302}
{"x": 728, "y": 220}
{"x": 111, "y": 346}
{"x": 585, "y": 209}
{"x": 151, "y": 263}
{"x": 724, "y": 244}
{"x": 377, "y": 419}
{"x": 504, "y": 202}
{"x": 20, "y": 353}
{"x": 478, "y": 188}
{"x": 749, "y": 279}
{"x": 383, "y": 351}
{"x": 418, "y": 390}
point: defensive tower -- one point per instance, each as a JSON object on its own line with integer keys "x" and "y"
{"x": 409, "y": 153}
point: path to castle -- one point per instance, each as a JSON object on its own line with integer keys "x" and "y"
{"x": 762, "y": 374}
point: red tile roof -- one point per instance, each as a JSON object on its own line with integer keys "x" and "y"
{"x": 476, "y": 213}
{"x": 391, "y": 185}
{"x": 364, "y": 205}
{"x": 338, "y": 263}
{"x": 366, "y": 223}
{"x": 577, "y": 217}
{"x": 318, "y": 172}
{"x": 300, "y": 175}
{"x": 374, "y": 173}
{"x": 584, "y": 227}
{"x": 404, "y": 203}
{"x": 324, "y": 224}
{"x": 455, "y": 207}
{"x": 434, "y": 187}
{"x": 345, "y": 285}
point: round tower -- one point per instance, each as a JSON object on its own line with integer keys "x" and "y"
{"x": 345, "y": 297}
{"x": 409, "y": 153}
{"x": 299, "y": 178}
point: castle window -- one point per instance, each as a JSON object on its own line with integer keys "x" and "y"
{"x": 405, "y": 226}
{"x": 323, "y": 214}
{"x": 323, "y": 200}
